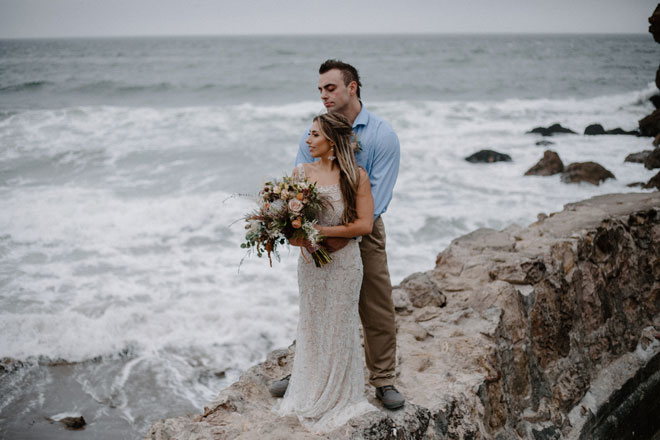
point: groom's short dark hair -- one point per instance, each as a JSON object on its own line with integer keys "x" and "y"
{"x": 349, "y": 72}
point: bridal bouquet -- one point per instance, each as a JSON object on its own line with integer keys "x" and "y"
{"x": 287, "y": 209}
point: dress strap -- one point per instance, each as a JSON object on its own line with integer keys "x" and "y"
{"x": 301, "y": 170}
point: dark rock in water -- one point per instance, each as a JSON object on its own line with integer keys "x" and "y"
{"x": 596, "y": 129}
{"x": 549, "y": 165}
{"x": 544, "y": 143}
{"x": 655, "y": 99}
{"x": 654, "y": 182}
{"x": 657, "y": 78}
{"x": 73, "y": 422}
{"x": 590, "y": 172}
{"x": 652, "y": 161}
{"x": 622, "y": 131}
{"x": 654, "y": 29}
{"x": 638, "y": 157}
{"x": 488, "y": 156}
{"x": 557, "y": 128}
{"x": 553, "y": 129}
{"x": 636, "y": 185}
{"x": 650, "y": 125}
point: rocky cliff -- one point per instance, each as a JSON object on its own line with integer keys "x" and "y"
{"x": 650, "y": 125}
{"x": 543, "y": 332}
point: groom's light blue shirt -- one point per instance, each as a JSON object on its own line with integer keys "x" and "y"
{"x": 379, "y": 155}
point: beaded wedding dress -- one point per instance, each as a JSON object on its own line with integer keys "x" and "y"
{"x": 326, "y": 388}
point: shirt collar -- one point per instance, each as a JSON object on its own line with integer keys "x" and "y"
{"x": 362, "y": 117}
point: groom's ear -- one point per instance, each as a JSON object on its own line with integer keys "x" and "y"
{"x": 352, "y": 87}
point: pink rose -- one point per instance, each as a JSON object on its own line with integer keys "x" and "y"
{"x": 295, "y": 205}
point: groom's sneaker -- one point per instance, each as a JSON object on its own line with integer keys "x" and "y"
{"x": 390, "y": 396}
{"x": 278, "y": 388}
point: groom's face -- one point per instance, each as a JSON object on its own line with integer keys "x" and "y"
{"x": 334, "y": 93}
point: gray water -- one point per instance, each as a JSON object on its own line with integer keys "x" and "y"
{"x": 121, "y": 161}
{"x": 194, "y": 71}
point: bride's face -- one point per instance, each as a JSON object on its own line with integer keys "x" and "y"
{"x": 318, "y": 144}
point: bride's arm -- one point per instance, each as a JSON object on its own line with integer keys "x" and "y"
{"x": 364, "y": 204}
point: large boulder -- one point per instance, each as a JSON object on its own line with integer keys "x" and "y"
{"x": 638, "y": 157}
{"x": 650, "y": 125}
{"x": 423, "y": 291}
{"x": 553, "y": 129}
{"x": 550, "y": 164}
{"x": 652, "y": 161}
{"x": 655, "y": 99}
{"x": 488, "y": 156}
{"x": 590, "y": 172}
{"x": 654, "y": 29}
{"x": 594, "y": 129}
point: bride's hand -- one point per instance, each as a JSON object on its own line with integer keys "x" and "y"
{"x": 323, "y": 232}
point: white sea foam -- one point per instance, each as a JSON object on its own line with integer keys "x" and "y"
{"x": 145, "y": 273}
{"x": 119, "y": 238}
{"x": 131, "y": 248}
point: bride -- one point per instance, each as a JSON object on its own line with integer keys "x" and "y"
{"x": 326, "y": 388}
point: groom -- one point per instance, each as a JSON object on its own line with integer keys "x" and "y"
{"x": 339, "y": 85}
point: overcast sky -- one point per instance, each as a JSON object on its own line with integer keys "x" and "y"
{"x": 66, "y": 18}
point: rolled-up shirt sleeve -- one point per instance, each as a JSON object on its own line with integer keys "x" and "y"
{"x": 384, "y": 170}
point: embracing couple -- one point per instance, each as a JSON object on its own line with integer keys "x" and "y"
{"x": 353, "y": 157}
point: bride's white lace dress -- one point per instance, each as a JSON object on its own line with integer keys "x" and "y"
{"x": 327, "y": 382}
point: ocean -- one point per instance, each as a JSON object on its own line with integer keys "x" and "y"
{"x": 127, "y": 163}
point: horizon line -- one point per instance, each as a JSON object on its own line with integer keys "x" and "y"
{"x": 363, "y": 34}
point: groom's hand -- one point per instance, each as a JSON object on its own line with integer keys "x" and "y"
{"x": 333, "y": 244}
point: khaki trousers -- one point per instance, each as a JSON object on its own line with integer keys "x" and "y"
{"x": 377, "y": 308}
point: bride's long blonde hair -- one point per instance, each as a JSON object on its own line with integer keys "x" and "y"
{"x": 339, "y": 132}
